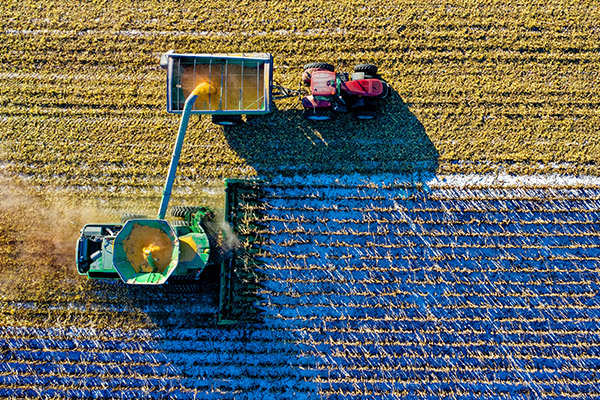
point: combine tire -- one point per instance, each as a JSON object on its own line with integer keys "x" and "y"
{"x": 319, "y": 65}
{"x": 127, "y": 216}
{"x": 317, "y": 114}
{"x": 369, "y": 70}
{"x": 227, "y": 120}
{"x": 181, "y": 211}
{"x": 180, "y": 223}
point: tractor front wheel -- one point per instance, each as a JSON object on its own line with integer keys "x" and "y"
{"x": 308, "y": 68}
{"x": 227, "y": 120}
{"x": 369, "y": 70}
{"x": 317, "y": 114}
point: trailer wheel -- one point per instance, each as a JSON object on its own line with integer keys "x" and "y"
{"x": 127, "y": 216}
{"x": 227, "y": 120}
{"x": 319, "y": 65}
{"x": 369, "y": 70}
{"x": 365, "y": 114}
{"x": 317, "y": 114}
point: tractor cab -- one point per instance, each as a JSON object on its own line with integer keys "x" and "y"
{"x": 323, "y": 83}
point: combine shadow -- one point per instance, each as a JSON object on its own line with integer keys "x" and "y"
{"x": 283, "y": 142}
{"x": 177, "y": 303}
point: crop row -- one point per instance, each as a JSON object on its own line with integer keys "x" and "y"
{"x": 408, "y": 191}
{"x": 440, "y": 207}
{"x": 154, "y": 334}
{"x": 389, "y": 254}
{"x": 408, "y": 232}
{"x": 462, "y": 83}
{"x": 36, "y": 355}
{"x": 230, "y": 363}
{"x": 348, "y": 267}
{"x": 184, "y": 338}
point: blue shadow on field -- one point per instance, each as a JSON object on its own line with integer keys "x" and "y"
{"x": 284, "y": 142}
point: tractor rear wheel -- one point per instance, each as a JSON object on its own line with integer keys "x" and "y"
{"x": 317, "y": 114}
{"x": 227, "y": 120}
{"x": 369, "y": 70}
{"x": 319, "y": 65}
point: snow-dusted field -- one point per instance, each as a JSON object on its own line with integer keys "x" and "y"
{"x": 378, "y": 287}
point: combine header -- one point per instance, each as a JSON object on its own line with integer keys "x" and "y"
{"x": 146, "y": 251}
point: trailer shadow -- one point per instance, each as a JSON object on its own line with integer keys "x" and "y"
{"x": 285, "y": 143}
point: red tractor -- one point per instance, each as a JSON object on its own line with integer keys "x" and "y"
{"x": 332, "y": 91}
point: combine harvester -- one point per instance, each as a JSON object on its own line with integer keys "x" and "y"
{"x": 153, "y": 251}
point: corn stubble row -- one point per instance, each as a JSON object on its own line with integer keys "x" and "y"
{"x": 475, "y": 88}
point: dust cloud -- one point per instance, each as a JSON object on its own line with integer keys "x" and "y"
{"x": 227, "y": 240}
{"x": 38, "y": 235}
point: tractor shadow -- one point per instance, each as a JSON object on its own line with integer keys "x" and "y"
{"x": 285, "y": 143}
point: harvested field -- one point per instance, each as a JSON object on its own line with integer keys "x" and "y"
{"x": 448, "y": 248}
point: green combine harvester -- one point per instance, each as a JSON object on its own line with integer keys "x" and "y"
{"x": 146, "y": 251}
